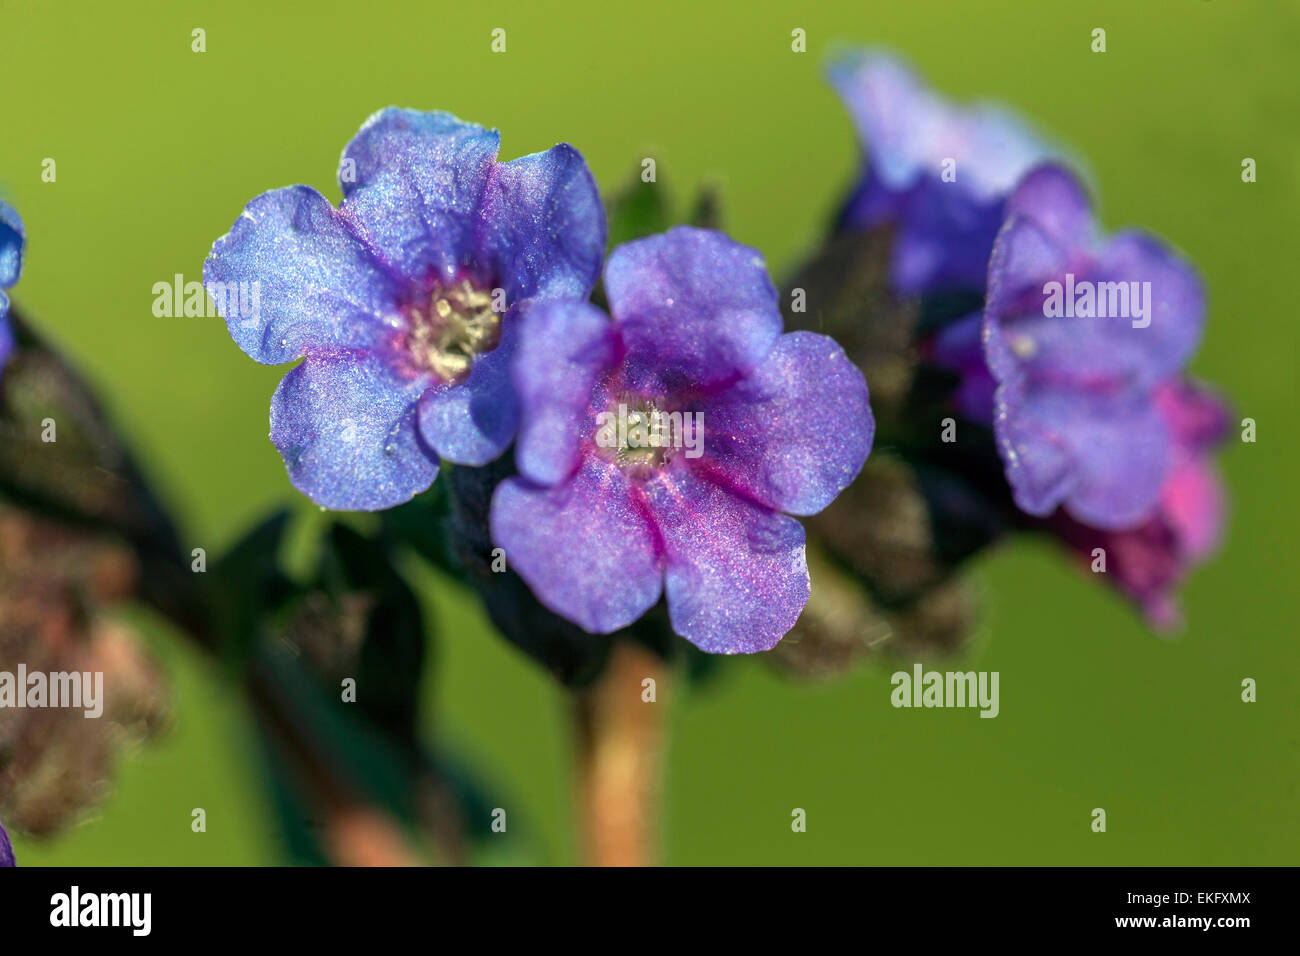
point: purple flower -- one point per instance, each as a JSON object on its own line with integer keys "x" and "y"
{"x": 6, "y": 849}
{"x": 1079, "y": 332}
{"x": 13, "y": 242}
{"x": 403, "y": 302}
{"x": 1149, "y": 561}
{"x": 737, "y": 422}
{"x": 910, "y": 138}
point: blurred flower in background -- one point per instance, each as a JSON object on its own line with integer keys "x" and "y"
{"x": 1074, "y": 410}
{"x": 995, "y": 412}
{"x": 936, "y": 172}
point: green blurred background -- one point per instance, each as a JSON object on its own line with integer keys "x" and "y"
{"x": 158, "y": 149}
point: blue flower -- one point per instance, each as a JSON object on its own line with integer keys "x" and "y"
{"x": 13, "y": 242}
{"x": 945, "y": 225}
{"x": 663, "y": 450}
{"x": 403, "y": 302}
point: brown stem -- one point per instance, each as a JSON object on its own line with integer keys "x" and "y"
{"x": 619, "y": 743}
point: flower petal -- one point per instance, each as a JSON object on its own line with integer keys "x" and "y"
{"x": 565, "y": 349}
{"x": 908, "y": 133}
{"x": 417, "y": 189}
{"x": 694, "y": 308}
{"x": 345, "y": 424}
{"x": 1050, "y": 237}
{"x": 898, "y": 119}
{"x": 1023, "y": 259}
{"x": 737, "y": 575}
{"x": 13, "y": 239}
{"x": 796, "y": 432}
{"x": 1197, "y": 417}
{"x": 586, "y": 547}
{"x": 474, "y": 421}
{"x": 1047, "y": 228}
{"x": 543, "y": 225}
{"x": 944, "y": 240}
{"x": 6, "y": 849}
{"x": 1053, "y": 198}
{"x": 290, "y": 278}
{"x": 1103, "y": 458}
{"x": 1192, "y": 503}
{"x": 1176, "y": 303}
{"x": 1146, "y": 315}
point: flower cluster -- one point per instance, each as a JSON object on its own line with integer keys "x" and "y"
{"x": 442, "y": 312}
{"x": 1076, "y": 359}
{"x": 442, "y": 308}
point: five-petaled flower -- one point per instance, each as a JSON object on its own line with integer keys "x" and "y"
{"x": 403, "y": 302}
{"x": 938, "y": 173}
{"x": 13, "y": 242}
{"x": 600, "y": 532}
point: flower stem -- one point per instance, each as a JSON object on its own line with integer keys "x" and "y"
{"x": 619, "y": 741}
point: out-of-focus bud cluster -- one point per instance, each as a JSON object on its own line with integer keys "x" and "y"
{"x": 80, "y": 535}
{"x": 57, "y": 584}
{"x": 888, "y": 547}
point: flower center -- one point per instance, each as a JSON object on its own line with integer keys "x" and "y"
{"x": 457, "y": 324}
{"x": 645, "y": 441}
{"x": 640, "y": 436}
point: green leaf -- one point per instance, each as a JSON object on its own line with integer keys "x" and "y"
{"x": 706, "y": 213}
{"x": 359, "y": 578}
{"x": 638, "y": 209}
{"x": 421, "y": 525}
{"x": 246, "y": 587}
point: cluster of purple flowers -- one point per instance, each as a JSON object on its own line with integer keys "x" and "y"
{"x": 441, "y": 311}
{"x": 1101, "y": 434}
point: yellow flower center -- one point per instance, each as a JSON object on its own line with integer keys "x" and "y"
{"x": 458, "y": 324}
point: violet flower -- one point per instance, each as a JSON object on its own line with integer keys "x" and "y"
{"x": 945, "y": 226}
{"x": 1089, "y": 409}
{"x": 1102, "y": 436}
{"x": 403, "y": 302}
{"x": 600, "y": 523}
